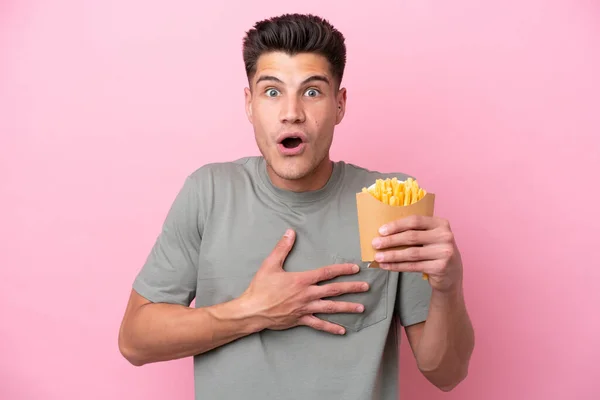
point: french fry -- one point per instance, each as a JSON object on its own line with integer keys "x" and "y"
{"x": 407, "y": 196}
{"x": 394, "y": 192}
{"x": 400, "y": 198}
{"x": 397, "y": 193}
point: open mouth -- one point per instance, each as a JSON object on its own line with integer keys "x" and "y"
{"x": 291, "y": 142}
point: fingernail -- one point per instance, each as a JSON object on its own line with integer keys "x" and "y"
{"x": 288, "y": 233}
{"x": 360, "y": 308}
{"x": 355, "y": 268}
{"x": 376, "y": 243}
{"x": 384, "y": 266}
{"x": 365, "y": 286}
{"x": 383, "y": 230}
{"x": 341, "y": 331}
{"x": 378, "y": 256}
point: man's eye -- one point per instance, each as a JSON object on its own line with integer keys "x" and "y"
{"x": 312, "y": 92}
{"x": 272, "y": 92}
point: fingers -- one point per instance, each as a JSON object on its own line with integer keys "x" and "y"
{"x": 328, "y": 307}
{"x": 333, "y": 307}
{"x": 282, "y": 249}
{"x": 413, "y": 222}
{"x": 427, "y": 267}
{"x": 320, "y": 325}
{"x": 408, "y": 238}
{"x": 330, "y": 272}
{"x": 335, "y": 289}
{"x": 413, "y": 254}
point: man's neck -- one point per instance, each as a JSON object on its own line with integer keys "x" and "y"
{"x": 314, "y": 181}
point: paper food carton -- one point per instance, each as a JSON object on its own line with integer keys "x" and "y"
{"x": 386, "y": 201}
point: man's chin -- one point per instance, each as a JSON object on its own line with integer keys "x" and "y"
{"x": 290, "y": 168}
{"x": 291, "y": 173}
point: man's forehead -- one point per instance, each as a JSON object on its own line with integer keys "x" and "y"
{"x": 296, "y": 67}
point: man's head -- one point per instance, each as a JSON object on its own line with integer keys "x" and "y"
{"x": 295, "y": 64}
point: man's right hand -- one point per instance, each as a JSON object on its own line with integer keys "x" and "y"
{"x": 281, "y": 300}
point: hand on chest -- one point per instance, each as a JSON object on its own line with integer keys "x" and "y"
{"x": 228, "y": 265}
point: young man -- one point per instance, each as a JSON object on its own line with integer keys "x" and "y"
{"x": 269, "y": 249}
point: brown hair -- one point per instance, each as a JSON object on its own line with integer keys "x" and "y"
{"x": 293, "y": 34}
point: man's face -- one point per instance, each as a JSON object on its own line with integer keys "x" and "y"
{"x": 294, "y": 107}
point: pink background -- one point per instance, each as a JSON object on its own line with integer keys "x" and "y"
{"x": 105, "y": 106}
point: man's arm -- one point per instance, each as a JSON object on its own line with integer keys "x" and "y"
{"x": 153, "y": 332}
{"x": 443, "y": 344}
{"x": 275, "y": 299}
{"x": 158, "y": 324}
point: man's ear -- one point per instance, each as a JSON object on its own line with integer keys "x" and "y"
{"x": 248, "y": 103}
{"x": 341, "y": 105}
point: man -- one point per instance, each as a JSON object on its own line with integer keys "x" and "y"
{"x": 269, "y": 249}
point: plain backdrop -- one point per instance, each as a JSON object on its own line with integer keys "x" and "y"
{"x": 106, "y": 106}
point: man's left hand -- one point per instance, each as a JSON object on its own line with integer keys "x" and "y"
{"x": 432, "y": 250}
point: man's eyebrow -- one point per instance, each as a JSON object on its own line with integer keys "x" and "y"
{"x": 271, "y": 78}
{"x": 321, "y": 78}
{"x": 268, "y": 78}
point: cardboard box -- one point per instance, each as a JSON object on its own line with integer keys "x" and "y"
{"x": 372, "y": 214}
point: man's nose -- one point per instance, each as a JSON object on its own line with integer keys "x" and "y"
{"x": 292, "y": 111}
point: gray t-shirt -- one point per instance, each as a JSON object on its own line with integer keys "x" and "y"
{"x": 223, "y": 223}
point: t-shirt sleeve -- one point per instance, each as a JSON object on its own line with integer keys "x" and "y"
{"x": 171, "y": 269}
{"x": 414, "y": 294}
